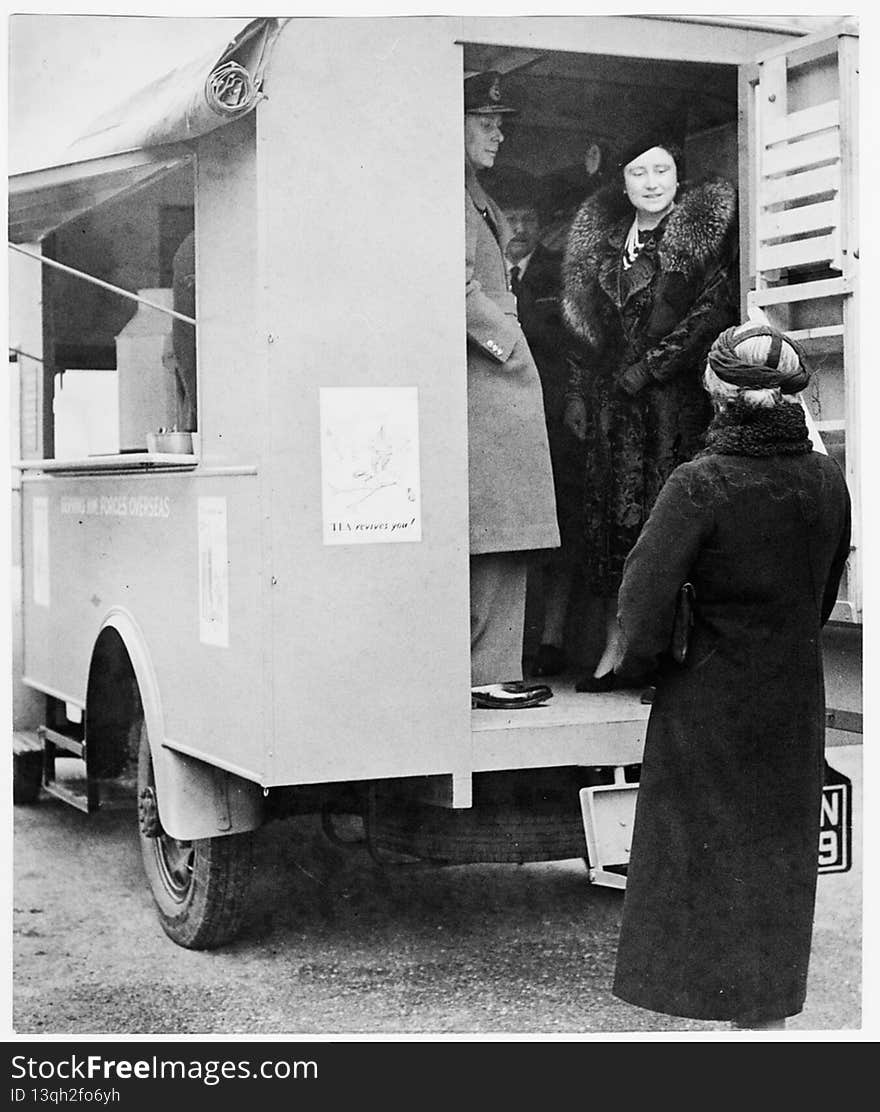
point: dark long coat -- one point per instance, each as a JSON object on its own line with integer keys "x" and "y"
{"x": 540, "y": 314}
{"x": 655, "y": 326}
{"x": 538, "y": 308}
{"x": 718, "y": 914}
{"x": 512, "y": 505}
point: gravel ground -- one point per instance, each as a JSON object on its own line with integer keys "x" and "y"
{"x": 334, "y": 945}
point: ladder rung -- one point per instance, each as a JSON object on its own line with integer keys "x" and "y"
{"x": 62, "y": 741}
{"x": 828, "y": 337}
{"x": 80, "y": 800}
{"x": 815, "y": 251}
{"x": 801, "y": 291}
{"x": 817, "y": 333}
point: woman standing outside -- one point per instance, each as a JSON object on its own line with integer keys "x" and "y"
{"x": 649, "y": 280}
{"x": 718, "y": 914}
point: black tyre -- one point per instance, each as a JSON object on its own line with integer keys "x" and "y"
{"x": 517, "y": 816}
{"x": 200, "y": 888}
{"x": 27, "y": 776}
{"x": 499, "y": 834}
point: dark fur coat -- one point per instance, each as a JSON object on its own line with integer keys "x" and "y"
{"x": 640, "y": 339}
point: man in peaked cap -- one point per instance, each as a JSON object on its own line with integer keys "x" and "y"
{"x": 482, "y": 95}
{"x": 512, "y": 505}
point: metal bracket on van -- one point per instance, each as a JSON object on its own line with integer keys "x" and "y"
{"x": 609, "y": 812}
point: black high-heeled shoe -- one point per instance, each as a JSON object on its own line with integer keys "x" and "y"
{"x": 605, "y": 682}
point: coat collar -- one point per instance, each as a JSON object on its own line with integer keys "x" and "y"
{"x": 696, "y": 232}
{"x": 482, "y": 202}
{"x": 472, "y": 185}
{"x": 695, "y": 229}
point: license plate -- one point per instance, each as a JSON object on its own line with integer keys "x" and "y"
{"x": 608, "y": 812}
{"x": 835, "y": 830}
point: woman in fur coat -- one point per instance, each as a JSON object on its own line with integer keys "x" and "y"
{"x": 649, "y": 281}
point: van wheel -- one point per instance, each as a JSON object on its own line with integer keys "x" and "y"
{"x": 27, "y": 776}
{"x": 200, "y": 888}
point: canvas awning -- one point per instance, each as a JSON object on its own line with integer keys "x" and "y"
{"x": 189, "y": 101}
{"x": 145, "y": 136}
{"x": 43, "y": 200}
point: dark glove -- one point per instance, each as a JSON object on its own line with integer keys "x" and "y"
{"x": 634, "y": 379}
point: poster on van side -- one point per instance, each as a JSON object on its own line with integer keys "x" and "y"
{"x": 370, "y": 465}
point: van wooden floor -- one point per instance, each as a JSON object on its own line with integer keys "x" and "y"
{"x": 571, "y": 729}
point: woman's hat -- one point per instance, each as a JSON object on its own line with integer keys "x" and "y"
{"x": 658, "y": 137}
{"x": 750, "y": 366}
{"x": 482, "y": 95}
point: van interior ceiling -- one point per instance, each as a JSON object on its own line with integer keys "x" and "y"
{"x": 572, "y": 104}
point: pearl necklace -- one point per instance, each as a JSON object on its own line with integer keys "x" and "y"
{"x": 633, "y": 245}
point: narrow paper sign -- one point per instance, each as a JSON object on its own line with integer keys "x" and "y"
{"x": 213, "y": 573}
{"x": 40, "y": 541}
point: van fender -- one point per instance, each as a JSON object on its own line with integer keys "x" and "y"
{"x": 195, "y": 799}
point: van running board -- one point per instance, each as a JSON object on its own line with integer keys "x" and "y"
{"x": 56, "y": 743}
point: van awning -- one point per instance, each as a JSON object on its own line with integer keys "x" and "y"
{"x": 145, "y": 136}
{"x": 189, "y": 101}
{"x": 43, "y": 200}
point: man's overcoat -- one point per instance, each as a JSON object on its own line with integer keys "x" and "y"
{"x": 512, "y": 505}
{"x": 718, "y": 914}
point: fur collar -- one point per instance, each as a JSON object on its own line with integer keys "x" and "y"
{"x": 695, "y": 235}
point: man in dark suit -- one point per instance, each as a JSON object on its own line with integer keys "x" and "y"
{"x": 535, "y": 277}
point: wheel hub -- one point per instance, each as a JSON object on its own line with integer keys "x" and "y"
{"x": 148, "y": 814}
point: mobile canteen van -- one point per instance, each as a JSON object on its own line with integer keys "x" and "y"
{"x": 264, "y": 610}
